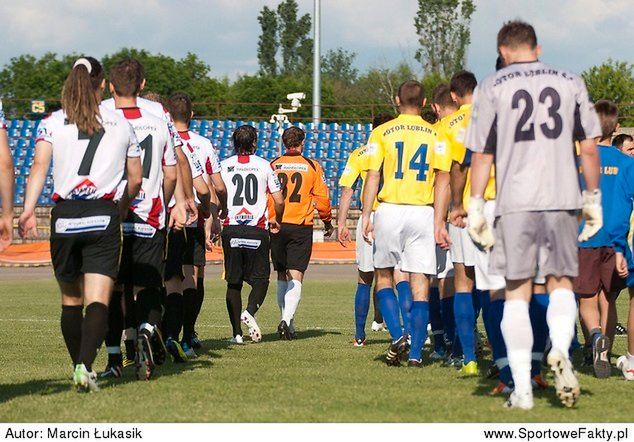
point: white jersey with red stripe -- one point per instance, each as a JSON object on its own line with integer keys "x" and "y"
{"x": 249, "y": 179}
{"x": 194, "y": 164}
{"x": 156, "y": 151}
{"x": 3, "y": 121}
{"x": 88, "y": 167}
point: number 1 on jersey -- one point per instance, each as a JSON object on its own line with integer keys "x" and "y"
{"x": 416, "y": 163}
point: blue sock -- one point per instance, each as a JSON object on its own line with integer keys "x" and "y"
{"x": 498, "y": 348}
{"x": 537, "y": 311}
{"x": 448, "y": 322}
{"x": 465, "y": 322}
{"x": 390, "y": 311}
{"x": 405, "y": 302}
{"x": 435, "y": 320}
{"x": 476, "y": 303}
{"x": 419, "y": 320}
{"x": 361, "y": 309}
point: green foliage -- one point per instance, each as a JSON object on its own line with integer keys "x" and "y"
{"x": 267, "y": 43}
{"x": 444, "y": 35}
{"x": 613, "y": 80}
{"x": 338, "y": 65}
{"x": 296, "y": 45}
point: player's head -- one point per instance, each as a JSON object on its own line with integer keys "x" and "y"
{"x": 462, "y": 85}
{"x": 499, "y": 63}
{"x": 293, "y": 138}
{"x": 608, "y": 116}
{"x": 82, "y": 94}
{"x": 441, "y": 101}
{"x": 381, "y": 119}
{"x": 410, "y": 97}
{"x": 625, "y": 143}
{"x": 180, "y": 108}
{"x": 127, "y": 78}
{"x": 517, "y": 41}
{"x": 245, "y": 140}
{"x": 158, "y": 98}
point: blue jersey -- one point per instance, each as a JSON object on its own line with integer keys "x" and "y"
{"x": 612, "y": 163}
{"x": 617, "y": 225}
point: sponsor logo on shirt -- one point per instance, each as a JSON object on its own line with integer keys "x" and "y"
{"x": 441, "y": 148}
{"x": 292, "y": 166}
{"x": 141, "y": 230}
{"x": 231, "y": 168}
{"x": 80, "y": 225}
{"x": 83, "y": 190}
{"x": 244, "y": 243}
{"x": 244, "y": 216}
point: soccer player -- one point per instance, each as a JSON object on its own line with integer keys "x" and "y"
{"x": 180, "y": 107}
{"x": 7, "y": 179}
{"x": 91, "y": 148}
{"x": 624, "y": 143}
{"x": 245, "y": 239}
{"x": 354, "y": 171}
{"x": 601, "y": 270}
{"x": 304, "y": 189}
{"x": 403, "y": 153}
{"x": 527, "y": 114}
{"x": 144, "y": 225}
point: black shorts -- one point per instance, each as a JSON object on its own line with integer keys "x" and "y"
{"x": 85, "y": 238}
{"x": 246, "y": 254}
{"x": 195, "y": 246}
{"x": 597, "y": 270}
{"x": 142, "y": 260}
{"x": 291, "y": 247}
{"x": 176, "y": 241}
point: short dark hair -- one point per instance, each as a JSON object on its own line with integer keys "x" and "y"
{"x": 429, "y": 115}
{"x": 463, "y": 83}
{"x": 499, "y": 63}
{"x": 517, "y": 33}
{"x": 244, "y": 139}
{"x": 126, "y": 77}
{"x": 180, "y": 107}
{"x": 293, "y": 137}
{"x": 381, "y": 119}
{"x": 441, "y": 95}
{"x": 608, "y": 117}
{"x": 156, "y": 97}
{"x": 620, "y": 140}
{"x": 411, "y": 93}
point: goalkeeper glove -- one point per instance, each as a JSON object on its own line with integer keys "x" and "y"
{"x": 592, "y": 213}
{"x": 477, "y": 225}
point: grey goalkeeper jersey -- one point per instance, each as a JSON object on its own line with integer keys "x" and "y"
{"x": 529, "y": 115}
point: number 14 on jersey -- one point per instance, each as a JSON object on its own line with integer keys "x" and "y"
{"x": 417, "y": 162}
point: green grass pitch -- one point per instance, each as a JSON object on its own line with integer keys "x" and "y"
{"x": 319, "y": 377}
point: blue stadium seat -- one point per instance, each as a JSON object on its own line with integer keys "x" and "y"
{"x": 334, "y": 136}
{"x": 310, "y": 136}
{"x": 310, "y": 127}
{"x": 263, "y": 125}
{"x": 194, "y": 125}
{"x": 334, "y": 127}
{"x": 216, "y": 124}
{"x": 239, "y": 123}
{"x": 275, "y": 135}
{"x": 368, "y": 127}
{"x": 229, "y": 125}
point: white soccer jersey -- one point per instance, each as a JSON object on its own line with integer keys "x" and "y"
{"x": 249, "y": 179}
{"x": 156, "y": 151}
{"x": 88, "y": 167}
{"x": 3, "y": 122}
{"x": 194, "y": 164}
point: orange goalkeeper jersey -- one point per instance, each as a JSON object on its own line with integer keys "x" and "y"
{"x": 304, "y": 189}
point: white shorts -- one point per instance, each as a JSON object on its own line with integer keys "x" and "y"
{"x": 365, "y": 263}
{"x": 404, "y": 237}
{"x": 483, "y": 279}
{"x": 462, "y": 248}
{"x": 444, "y": 266}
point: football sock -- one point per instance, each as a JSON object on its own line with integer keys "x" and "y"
{"x": 200, "y": 295}
{"x": 361, "y": 308}
{"x": 448, "y": 322}
{"x": 456, "y": 347}
{"x": 282, "y": 288}
{"x": 405, "y": 303}
{"x": 189, "y": 313}
{"x": 174, "y": 315}
{"x": 390, "y": 310}
{"x": 419, "y": 321}
{"x": 537, "y": 310}
{"x": 561, "y": 317}
{"x": 291, "y": 300}
{"x": 115, "y": 323}
{"x": 435, "y": 320}
{"x": 93, "y": 332}
{"x": 257, "y": 296}
{"x": 476, "y": 303}
{"x": 71, "y": 323}
{"x": 234, "y": 307}
{"x": 498, "y": 348}
{"x": 378, "y": 317}
{"x": 129, "y": 341}
{"x": 518, "y": 337}
{"x": 465, "y": 322}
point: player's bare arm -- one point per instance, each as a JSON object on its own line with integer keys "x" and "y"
{"x": 27, "y": 226}
{"x": 442, "y": 195}
{"x": 169, "y": 181}
{"x": 185, "y": 196}
{"x": 458, "y": 181}
{"x": 369, "y": 195}
{"x": 6, "y": 191}
{"x": 204, "y": 195}
{"x": 343, "y": 233}
{"x": 134, "y": 171}
{"x": 278, "y": 201}
{"x": 221, "y": 191}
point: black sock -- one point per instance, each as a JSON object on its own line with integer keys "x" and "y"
{"x": 257, "y": 295}
{"x": 189, "y": 313}
{"x": 174, "y": 315}
{"x": 234, "y": 307}
{"x": 71, "y": 322}
{"x": 378, "y": 317}
{"x": 129, "y": 314}
{"x": 148, "y": 304}
{"x": 115, "y": 321}
{"x": 93, "y": 333}
{"x": 200, "y": 295}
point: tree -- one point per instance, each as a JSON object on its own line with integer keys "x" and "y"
{"x": 267, "y": 44}
{"x": 338, "y": 65}
{"x": 612, "y": 80}
{"x": 297, "y": 46}
{"x": 444, "y": 35}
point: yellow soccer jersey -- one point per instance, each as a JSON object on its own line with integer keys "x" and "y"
{"x": 454, "y": 129}
{"x": 404, "y": 149}
{"x": 356, "y": 168}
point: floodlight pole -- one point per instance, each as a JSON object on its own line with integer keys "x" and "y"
{"x": 317, "y": 63}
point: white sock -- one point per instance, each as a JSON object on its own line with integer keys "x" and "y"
{"x": 518, "y": 337}
{"x": 291, "y": 300}
{"x": 561, "y": 317}
{"x": 282, "y": 288}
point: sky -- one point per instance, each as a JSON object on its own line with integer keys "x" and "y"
{"x": 574, "y": 34}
